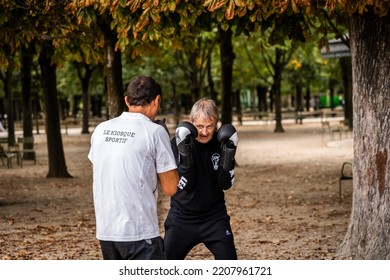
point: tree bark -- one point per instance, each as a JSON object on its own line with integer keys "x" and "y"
{"x": 57, "y": 166}
{"x": 27, "y": 60}
{"x": 113, "y": 69}
{"x": 368, "y": 232}
{"x": 227, "y": 58}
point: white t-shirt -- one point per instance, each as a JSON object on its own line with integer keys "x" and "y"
{"x": 127, "y": 152}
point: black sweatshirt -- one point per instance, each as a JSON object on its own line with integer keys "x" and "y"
{"x": 200, "y": 194}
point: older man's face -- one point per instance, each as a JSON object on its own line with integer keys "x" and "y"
{"x": 206, "y": 128}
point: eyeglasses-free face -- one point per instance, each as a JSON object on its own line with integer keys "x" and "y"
{"x": 206, "y": 128}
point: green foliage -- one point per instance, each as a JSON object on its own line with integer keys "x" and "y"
{"x": 150, "y": 32}
{"x": 68, "y": 83}
{"x": 307, "y": 67}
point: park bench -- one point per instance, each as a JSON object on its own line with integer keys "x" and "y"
{"x": 300, "y": 115}
{"x": 255, "y": 115}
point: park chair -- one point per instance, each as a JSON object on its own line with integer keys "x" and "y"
{"x": 344, "y": 128}
{"x": 27, "y": 147}
{"x": 14, "y": 150}
{"x": 11, "y": 151}
{"x": 346, "y": 174}
{"x": 327, "y": 128}
{"x": 6, "y": 155}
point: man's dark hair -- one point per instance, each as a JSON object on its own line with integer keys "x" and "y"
{"x": 142, "y": 90}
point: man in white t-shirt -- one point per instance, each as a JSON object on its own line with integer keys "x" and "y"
{"x": 130, "y": 154}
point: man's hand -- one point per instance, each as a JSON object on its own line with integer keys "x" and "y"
{"x": 185, "y": 135}
{"x": 228, "y": 137}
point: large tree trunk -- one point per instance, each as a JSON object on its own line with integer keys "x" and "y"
{"x": 368, "y": 233}
{"x": 57, "y": 166}
{"x": 27, "y": 60}
{"x": 227, "y": 58}
{"x": 113, "y": 69}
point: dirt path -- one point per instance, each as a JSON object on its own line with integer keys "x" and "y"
{"x": 284, "y": 204}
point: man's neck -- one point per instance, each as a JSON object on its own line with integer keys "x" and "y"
{"x": 144, "y": 110}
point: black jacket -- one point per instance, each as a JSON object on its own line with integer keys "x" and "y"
{"x": 200, "y": 193}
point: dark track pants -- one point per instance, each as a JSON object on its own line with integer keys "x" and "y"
{"x": 181, "y": 236}
{"x": 150, "y": 249}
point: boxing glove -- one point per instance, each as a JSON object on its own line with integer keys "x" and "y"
{"x": 163, "y": 124}
{"x": 186, "y": 132}
{"x": 228, "y": 138}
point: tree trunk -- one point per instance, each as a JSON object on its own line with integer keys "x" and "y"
{"x": 8, "y": 89}
{"x": 27, "y": 60}
{"x": 307, "y": 96}
{"x": 299, "y": 97}
{"x": 261, "y": 98}
{"x": 277, "y": 90}
{"x": 85, "y": 96}
{"x": 227, "y": 58}
{"x": 237, "y": 105}
{"x": 113, "y": 69}
{"x": 85, "y": 85}
{"x": 331, "y": 95}
{"x": 272, "y": 99}
{"x": 57, "y": 166}
{"x": 368, "y": 232}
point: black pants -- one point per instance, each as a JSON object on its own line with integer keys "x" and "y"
{"x": 150, "y": 249}
{"x": 216, "y": 234}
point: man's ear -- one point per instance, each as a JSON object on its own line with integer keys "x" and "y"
{"x": 157, "y": 100}
{"x": 127, "y": 101}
